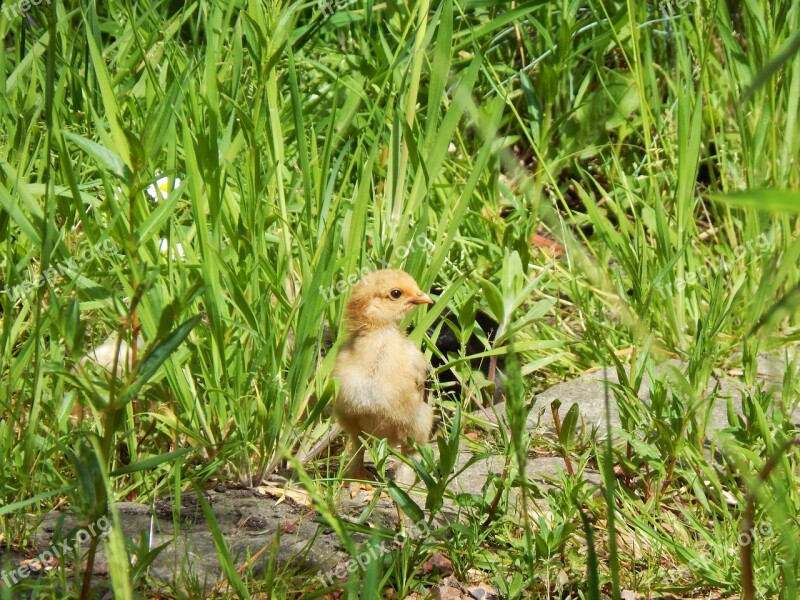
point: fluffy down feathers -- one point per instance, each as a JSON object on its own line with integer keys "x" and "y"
{"x": 382, "y": 373}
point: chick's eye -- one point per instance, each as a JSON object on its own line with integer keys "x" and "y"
{"x": 395, "y": 294}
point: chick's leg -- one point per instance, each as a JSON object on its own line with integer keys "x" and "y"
{"x": 357, "y": 468}
{"x": 358, "y": 471}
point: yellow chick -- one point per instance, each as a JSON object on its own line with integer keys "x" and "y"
{"x": 382, "y": 373}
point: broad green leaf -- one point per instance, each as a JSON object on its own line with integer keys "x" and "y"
{"x": 406, "y": 504}
{"x": 105, "y": 158}
{"x": 160, "y": 353}
{"x": 569, "y": 426}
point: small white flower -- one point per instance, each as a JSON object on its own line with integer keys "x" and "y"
{"x": 452, "y": 148}
{"x": 161, "y": 189}
{"x": 163, "y": 247}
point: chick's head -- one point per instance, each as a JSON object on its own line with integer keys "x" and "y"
{"x": 383, "y": 298}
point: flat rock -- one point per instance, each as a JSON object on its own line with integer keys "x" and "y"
{"x": 249, "y": 521}
{"x": 590, "y": 391}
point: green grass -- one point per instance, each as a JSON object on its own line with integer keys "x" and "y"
{"x": 658, "y": 143}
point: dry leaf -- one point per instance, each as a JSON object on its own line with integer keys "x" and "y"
{"x": 281, "y": 494}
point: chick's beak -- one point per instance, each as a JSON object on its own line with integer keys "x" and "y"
{"x": 421, "y": 299}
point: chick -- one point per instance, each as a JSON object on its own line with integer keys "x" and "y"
{"x": 382, "y": 373}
